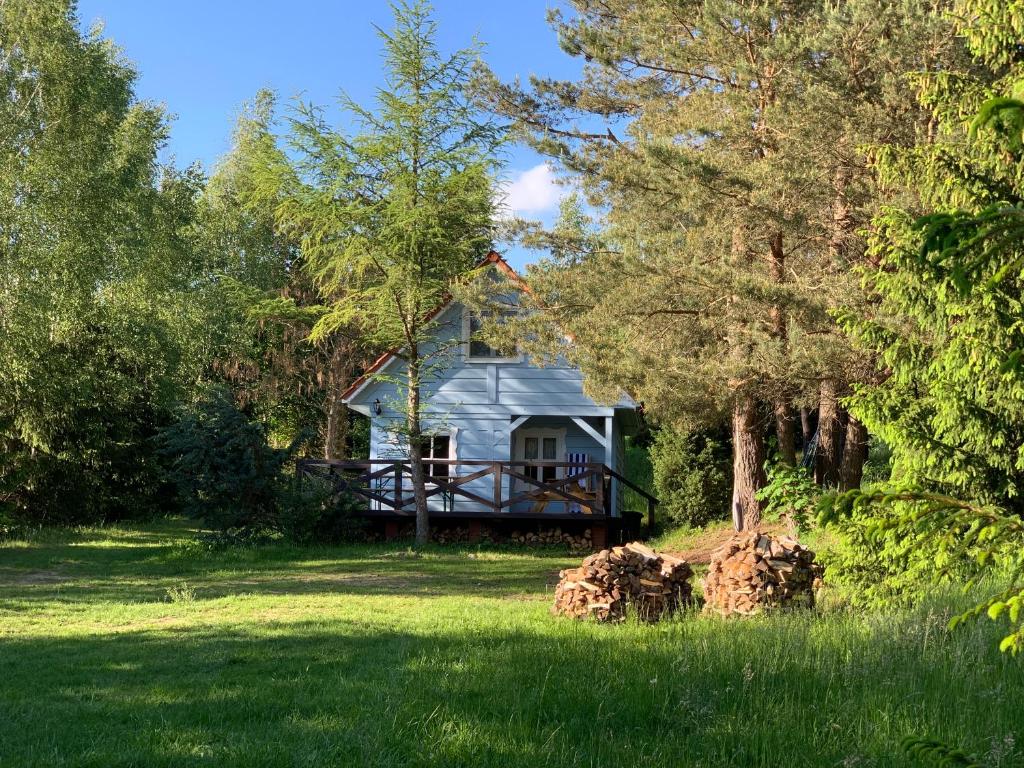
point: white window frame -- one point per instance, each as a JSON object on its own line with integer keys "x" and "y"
{"x": 466, "y": 338}
{"x": 452, "y": 451}
{"x": 519, "y": 447}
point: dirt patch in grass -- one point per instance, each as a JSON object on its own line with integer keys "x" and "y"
{"x": 703, "y": 545}
{"x": 39, "y": 577}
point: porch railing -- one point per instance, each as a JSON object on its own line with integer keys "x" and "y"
{"x": 386, "y": 484}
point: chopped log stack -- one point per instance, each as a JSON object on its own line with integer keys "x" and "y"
{"x": 577, "y": 542}
{"x": 545, "y": 537}
{"x": 629, "y": 579}
{"x": 755, "y": 570}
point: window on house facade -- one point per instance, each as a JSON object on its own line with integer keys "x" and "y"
{"x": 437, "y": 447}
{"x": 541, "y": 449}
{"x": 478, "y": 348}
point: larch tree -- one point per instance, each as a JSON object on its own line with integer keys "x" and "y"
{"x": 392, "y": 215}
{"x": 271, "y": 364}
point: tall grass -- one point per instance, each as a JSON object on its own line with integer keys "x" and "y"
{"x": 370, "y": 655}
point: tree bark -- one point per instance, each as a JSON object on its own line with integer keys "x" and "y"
{"x": 413, "y": 427}
{"x": 808, "y": 424}
{"x": 855, "y": 453}
{"x": 830, "y": 436}
{"x": 336, "y": 432}
{"x": 785, "y": 431}
{"x": 747, "y": 465}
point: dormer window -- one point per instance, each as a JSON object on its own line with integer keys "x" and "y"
{"x": 481, "y": 351}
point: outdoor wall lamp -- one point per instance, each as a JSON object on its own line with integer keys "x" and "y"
{"x": 376, "y": 407}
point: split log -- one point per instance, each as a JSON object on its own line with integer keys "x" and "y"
{"x": 632, "y": 578}
{"x": 754, "y": 571}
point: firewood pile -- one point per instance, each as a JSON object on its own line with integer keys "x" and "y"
{"x": 577, "y": 542}
{"x": 631, "y": 578}
{"x": 546, "y": 537}
{"x": 460, "y": 534}
{"x": 755, "y": 570}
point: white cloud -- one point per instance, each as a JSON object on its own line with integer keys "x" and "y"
{"x": 532, "y": 192}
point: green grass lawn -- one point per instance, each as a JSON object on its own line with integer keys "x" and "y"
{"x": 138, "y": 648}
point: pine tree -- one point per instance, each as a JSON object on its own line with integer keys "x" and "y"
{"x": 706, "y": 137}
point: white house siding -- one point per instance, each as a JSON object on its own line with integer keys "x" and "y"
{"x": 477, "y": 401}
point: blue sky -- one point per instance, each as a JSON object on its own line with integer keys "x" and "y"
{"x": 204, "y": 58}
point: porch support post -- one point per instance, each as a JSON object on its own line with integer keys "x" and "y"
{"x": 609, "y": 459}
{"x": 517, "y": 423}
{"x": 598, "y": 437}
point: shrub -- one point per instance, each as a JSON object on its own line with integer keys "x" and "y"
{"x": 790, "y": 496}
{"x": 226, "y": 473}
{"x": 692, "y": 476}
{"x": 311, "y": 512}
{"x": 231, "y": 478}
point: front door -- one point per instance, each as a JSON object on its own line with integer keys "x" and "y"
{"x": 540, "y": 445}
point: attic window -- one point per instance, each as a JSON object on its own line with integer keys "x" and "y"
{"x": 479, "y": 349}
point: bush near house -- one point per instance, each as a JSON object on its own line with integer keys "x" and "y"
{"x": 692, "y": 476}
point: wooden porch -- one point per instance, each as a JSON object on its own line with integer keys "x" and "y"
{"x": 480, "y": 488}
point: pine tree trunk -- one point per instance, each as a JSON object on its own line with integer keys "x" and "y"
{"x": 785, "y": 432}
{"x": 419, "y": 480}
{"x": 830, "y": 436}
{"x": 336, "y": 432}
{"x": 748, "y": 464}
{"x": 855, "y": 453}
{"x": 808, "y": 424}
{"x": 336, "y": 436}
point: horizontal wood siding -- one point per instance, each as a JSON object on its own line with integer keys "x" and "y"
{"x": 476, "y": 400}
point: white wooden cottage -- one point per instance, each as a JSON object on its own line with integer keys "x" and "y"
{"x": 508, "y": 438}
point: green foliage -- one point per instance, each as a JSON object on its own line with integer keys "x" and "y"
{"x": 311, "y": 513}
{"x": 935, "y": 752}
{"x": 639, "y": 470}
{"x": 790, "y": 495}
{"x": 947, "y": 325}
{"x": 389, "y": 217}
{"x": 103, "y": 301}
{"x": 691, "y": 476}
{"x": 896, "y": 542}
{"x": 227, "y": 474}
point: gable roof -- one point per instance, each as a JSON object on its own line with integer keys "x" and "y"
{"x": 492, "y": 258}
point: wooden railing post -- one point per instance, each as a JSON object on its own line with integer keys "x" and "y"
{"x": 497, "y": 485}
{"x": 398, "y": 486}
{"x": 600, "y": 494}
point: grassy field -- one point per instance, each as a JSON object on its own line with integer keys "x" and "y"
{"x": 138, "y": 648}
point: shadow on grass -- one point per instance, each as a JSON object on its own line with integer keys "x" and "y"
{"x": 309, "y": 694}
{"x": 95, "y": 570}
{"x": 454, "y": 682}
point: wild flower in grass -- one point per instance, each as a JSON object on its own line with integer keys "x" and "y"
{"x": 1003, "y": 751}
{"x": 181, "y": 593}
